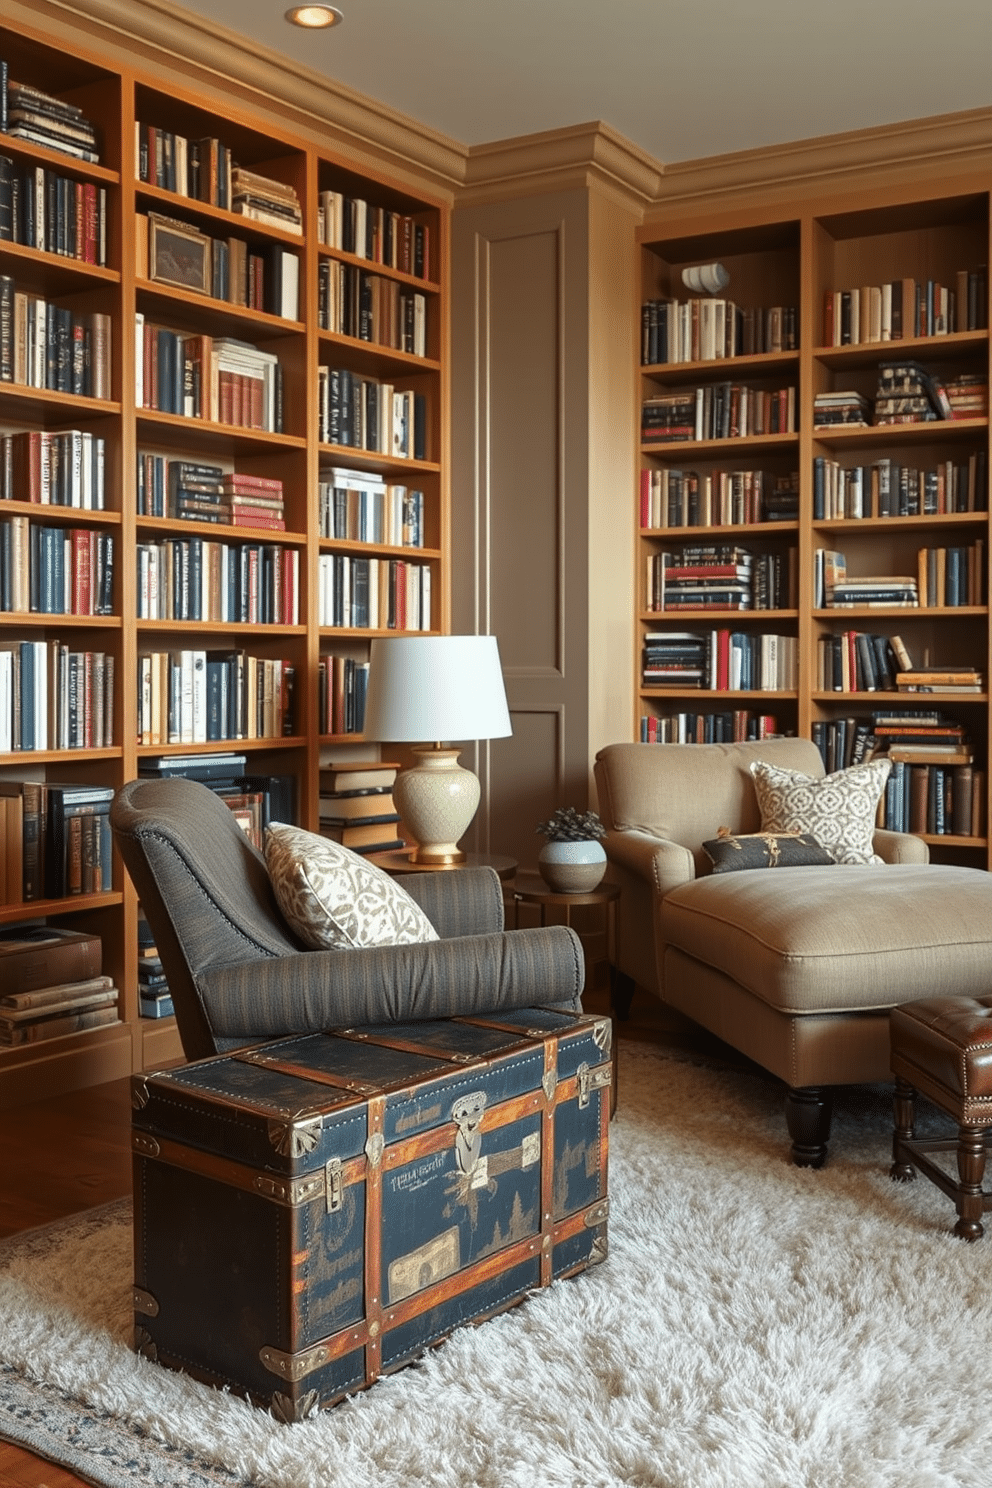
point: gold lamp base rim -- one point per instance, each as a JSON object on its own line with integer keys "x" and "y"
{"x": 424, "y": 858}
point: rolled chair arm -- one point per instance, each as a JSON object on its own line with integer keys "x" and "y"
{"x": 900, "y": 847}
{"x": 466, "y": 902}
{"x": 440, "y": 979}
{"x": 664, "y": 864}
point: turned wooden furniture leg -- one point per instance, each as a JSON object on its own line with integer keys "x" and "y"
{"x": 808, "y": 1113}
{"x": 971, "y": 1171}
{"x": 904, "y": 1114}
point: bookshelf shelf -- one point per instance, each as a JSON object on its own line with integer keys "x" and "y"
{"x": 11, "y": 914}
{"x": 913, "y": 262}
{"x": 227, "y": 137}
{"x": 687, "y": 451}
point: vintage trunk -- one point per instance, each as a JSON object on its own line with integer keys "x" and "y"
{"x": 314, "y": 1212}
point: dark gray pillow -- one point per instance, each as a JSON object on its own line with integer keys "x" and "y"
{"x": 730, "y": 853}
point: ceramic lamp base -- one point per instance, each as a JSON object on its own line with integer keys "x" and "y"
{"x": 437, "y": 799}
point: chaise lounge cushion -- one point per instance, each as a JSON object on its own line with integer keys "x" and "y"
{"x": 928, "y": 932}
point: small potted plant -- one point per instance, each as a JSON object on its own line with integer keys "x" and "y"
{"x": 572, "y": 861}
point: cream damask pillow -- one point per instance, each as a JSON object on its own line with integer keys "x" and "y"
{"x": 838, "y": 810}
{"x": 335, "y": 899}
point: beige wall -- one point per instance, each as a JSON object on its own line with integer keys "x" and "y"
{"x": 543, "y": 446}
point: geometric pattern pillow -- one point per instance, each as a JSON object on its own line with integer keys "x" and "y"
{"x": 335, "y": 899}
{"x": 838, "y": 810}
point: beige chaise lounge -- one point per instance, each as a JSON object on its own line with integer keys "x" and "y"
{"x": 795, "y": 967}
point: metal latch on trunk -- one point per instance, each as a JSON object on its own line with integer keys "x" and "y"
{"x": 588, "y": 1080}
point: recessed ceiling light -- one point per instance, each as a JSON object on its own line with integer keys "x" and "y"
{"x": 314, "y": 17}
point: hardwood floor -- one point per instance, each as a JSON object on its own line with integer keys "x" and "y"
{"x": 71, "y": 1152}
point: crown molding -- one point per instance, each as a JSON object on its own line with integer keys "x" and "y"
{"x": 587, "y": 155}
{"x": 305, "y": 99}
{"x": 943, "y": 144}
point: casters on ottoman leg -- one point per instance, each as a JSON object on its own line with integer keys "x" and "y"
{"x": 904, "y": 1125}
{"x": 808, "y": 1112}
{"x": 971, "y": 1171}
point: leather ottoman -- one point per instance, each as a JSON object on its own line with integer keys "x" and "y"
{"x": 942, "y": 1047}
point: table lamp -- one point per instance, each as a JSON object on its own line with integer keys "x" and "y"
{"x": 436, "y": 688}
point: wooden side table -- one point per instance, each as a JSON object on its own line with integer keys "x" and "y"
{"x": 530, "y": 888}
{"x": 397, "y": 861}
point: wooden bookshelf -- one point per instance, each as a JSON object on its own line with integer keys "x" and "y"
{"x": 118, "y": 97}
{"x": 805, "y": 254}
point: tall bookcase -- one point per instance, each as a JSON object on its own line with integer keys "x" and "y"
{"x": 813, "y": 258}
{"x": 293, "y": 447}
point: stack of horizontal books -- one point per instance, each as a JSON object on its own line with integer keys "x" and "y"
{"x": 700, "y": 577}
{"x": 357, "y": 807}
{"x": 909, "y": 394}
{"x": 265, "y": 200}
{"x": 674, "y": 659}
{"x": 40, "y": 119}
{"x": 846, "y": 407}
{"x": 52, "y": 984}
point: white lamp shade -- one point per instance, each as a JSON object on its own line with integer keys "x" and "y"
{"x": 436, "y": 688}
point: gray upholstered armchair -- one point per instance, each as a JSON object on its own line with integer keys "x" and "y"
{"x": 238, "y": 974}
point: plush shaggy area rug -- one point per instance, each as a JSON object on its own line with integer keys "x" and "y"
{"x": 756, "y": 1326}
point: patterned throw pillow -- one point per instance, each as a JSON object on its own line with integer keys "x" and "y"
{"x": 730, "y": 853}
{"x": 838, "y": 810}
{"x": 334, "y": 899}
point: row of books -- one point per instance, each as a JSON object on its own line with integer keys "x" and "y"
{"x": 907, "y": 307}
{"x": 192, "y": 696}
{"x": 180, "y": 254}
{"x": 360, "y": 413}
{"x": 915, "y": 736}
{"x": 721, "y": 410}
{"x": 154, "y": 996}
{"x": 205, "y": 170}
{"x": 269, "y": 797}
{"x": 907, "y": 393}
{"x": 352, "y": 302}
{"x": 30, "y": 114}
{"x": 45, "y": 345}
{"x": 54, "y": 469}
{"x": 52, "y": 984}
{"x": 356, "y": 806}
{"x": 719, "y": 498}
{"x": 61, "y": 832}
{"x": 55, "y": 570}
{"x": 861, "y": 661}
{"x": 353, "y": 225}
{"x": 196, "y": 579}
{"x": 41, "y": 209}
{"x": 710, "y": 329}
{"x": 834, "y": 588}
{"x": 342, "y": 686}
{"x": 720, "y": 661}
{"x": 373, "y": 593}
{"x": 220, "y": 379}
{"x": 196, "y": 492}
{"x": 737, "y": 726}
{"x": 721, "y": 576}
{"x": 952, "y": 576}
{"x": 934, "y": 800}
{"x": 54, "y": 697}
{"x": 888, "y": 489}
{"x": 359, "y": 506}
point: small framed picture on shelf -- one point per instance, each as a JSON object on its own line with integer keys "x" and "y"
{"x": 178, "y": 254}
